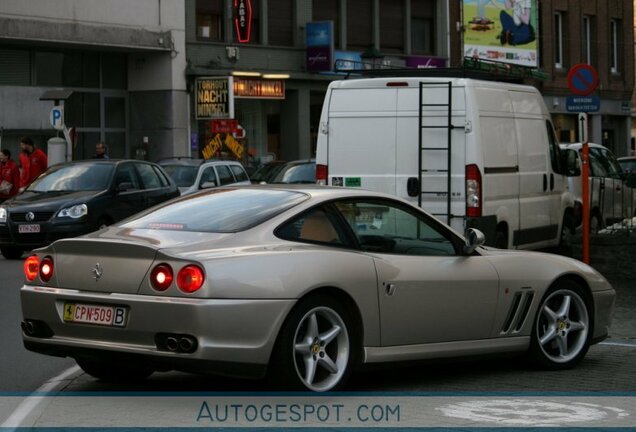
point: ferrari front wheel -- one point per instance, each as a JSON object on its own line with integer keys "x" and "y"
{"x": 314, "y": 351}
{"x": 562, "y": 330}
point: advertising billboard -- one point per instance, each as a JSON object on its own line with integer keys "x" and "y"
{"x": 501, "y": 30}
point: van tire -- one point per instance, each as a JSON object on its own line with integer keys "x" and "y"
{"x": 567, "y": 233}
{"x": 501, "y": 240}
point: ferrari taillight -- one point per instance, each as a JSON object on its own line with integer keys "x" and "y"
{"x": 161, "y": 277}
{"x": 190, "y": 278}
{"x": 46, "y": 269}
{"x": 31, "y": 267}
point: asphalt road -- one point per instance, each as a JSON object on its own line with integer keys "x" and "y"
{"x": 20, "y": 370}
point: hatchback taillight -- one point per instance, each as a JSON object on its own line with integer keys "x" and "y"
{"x": 190, "y": 278}
{"x": 473, "y": 191}
{"x": 46, "y": 269}
{"x": 161, "y": 277}
{"x": 31, "y": 267}
{"x": 322, "y": 172}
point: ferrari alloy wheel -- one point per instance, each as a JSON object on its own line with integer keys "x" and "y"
{"x": 562, "y": 330}
{"x": 315, "y": 346}
{"x": 113, "y": 371}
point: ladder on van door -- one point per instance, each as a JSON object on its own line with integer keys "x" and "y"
{"x": 448, "y": 126}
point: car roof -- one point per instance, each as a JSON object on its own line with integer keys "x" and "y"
{"x": 626, "y": 158}
{"x": 195, "y": 162}
{"x": 576, "y": 146}
{"x": 316, "y": 190}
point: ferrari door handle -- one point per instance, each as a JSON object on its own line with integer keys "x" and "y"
{"x": 389, "y": 289}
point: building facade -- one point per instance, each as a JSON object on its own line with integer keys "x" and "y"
{"x": 119, "y": 62}
{"x": 142, "y": 74}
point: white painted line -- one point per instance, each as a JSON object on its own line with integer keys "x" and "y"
{"x": 31, "y": 403}
{"x": 631, "y": 343}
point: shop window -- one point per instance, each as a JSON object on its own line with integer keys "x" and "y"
{"x": 210, "y": 20}
{"x": 82, "y": 110}
{"x": 115, "y": 112}
{"x": 115, "y": 71}
{"x": 328, "y": 10}
{"x": 359, "y": 24}
{"x": 58, "y": 69}
{"x": 392, "y": 26}
{"x": 280, "y": 22}
{"x": 16, "y": 67}
{"x": 423, "y": 26}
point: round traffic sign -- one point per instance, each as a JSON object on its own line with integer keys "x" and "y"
{"x": 582, "y": 79}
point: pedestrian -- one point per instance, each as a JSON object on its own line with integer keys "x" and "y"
{"x": 9, "y": 176}
{"x": 100, "y": 151}
{"x": 35, "y": 164}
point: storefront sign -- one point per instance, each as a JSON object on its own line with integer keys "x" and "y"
{"x": 425, "y": 62}
{"x": 257, "y": 88}
{"x": 501, "y": 30}
{"x": 319, "y": 40}
{"x": 243, "y": 20}
{"x": 224, "y": 126}
{"x": 214, "y": 146}
{"x": 214, "y": 98}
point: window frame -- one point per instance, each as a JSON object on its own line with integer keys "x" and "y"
{"x": 559, "y": 41}
{"x": 614, "y": 42}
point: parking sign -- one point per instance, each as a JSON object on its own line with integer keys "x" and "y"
{"x": 57, "y": 118}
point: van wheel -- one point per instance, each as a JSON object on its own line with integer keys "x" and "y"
{"x": 595, "y": 223}
{"x": 567, "y": 233}
{"x": 501, "y": 241}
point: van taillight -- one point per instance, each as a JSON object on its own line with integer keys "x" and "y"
{"x": 322, "y": 171}
{"x": 473, "y": 191}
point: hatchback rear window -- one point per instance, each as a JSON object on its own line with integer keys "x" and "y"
{"x": 218, "y": 210}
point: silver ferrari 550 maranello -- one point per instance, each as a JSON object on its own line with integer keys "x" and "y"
{"x": 303, "y": 284}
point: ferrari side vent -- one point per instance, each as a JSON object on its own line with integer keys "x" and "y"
{"x": 518, "y": 312}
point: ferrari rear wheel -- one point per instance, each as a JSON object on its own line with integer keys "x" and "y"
{"x": 314, "y": 351}
{"x": 113, "y": 371}
{"x": 562, "y": 329}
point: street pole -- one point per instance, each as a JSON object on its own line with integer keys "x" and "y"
{"x": 585, "y": 186}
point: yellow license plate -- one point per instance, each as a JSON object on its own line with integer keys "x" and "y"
{"x": 113, "y": 316}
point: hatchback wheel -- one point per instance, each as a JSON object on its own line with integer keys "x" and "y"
{"x": 562, "y": 328}
{"x": 113, "y": 371}
{"x": 315, "y": 349}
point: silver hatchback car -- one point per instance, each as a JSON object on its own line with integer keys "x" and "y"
{"x": 192, "y": 175}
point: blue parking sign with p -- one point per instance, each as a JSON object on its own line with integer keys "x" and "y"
{"x": 57, "y": 118}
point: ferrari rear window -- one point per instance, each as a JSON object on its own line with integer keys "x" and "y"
{"x": 217, "y": 210}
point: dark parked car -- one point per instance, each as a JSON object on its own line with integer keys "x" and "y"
{"x": 295, "y": 172}
{"x": 266, "y": 171}
{"x": 79, "y": 197}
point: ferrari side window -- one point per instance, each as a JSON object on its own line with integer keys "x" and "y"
{"x": 381, "y": 226}
{"x": 314, "y": 226}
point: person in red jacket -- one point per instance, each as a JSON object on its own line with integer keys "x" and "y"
{"x": 9, "y": 176}
{"x": 36, "y": 164}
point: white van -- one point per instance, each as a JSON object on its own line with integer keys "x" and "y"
{"x": 473, "y": 153}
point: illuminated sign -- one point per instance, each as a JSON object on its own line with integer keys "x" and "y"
{"x": 256, "y": 88}
{"x": 243, "y": 20}
{"x": 214, "y": 146}
{"x": 214, "y": 98}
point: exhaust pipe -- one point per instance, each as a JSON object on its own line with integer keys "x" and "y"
{"x": 186, "y": 344}
{"x": 28, "y": 328}
{"x": 172, "y": 343}
{"x": 35, "y": 328}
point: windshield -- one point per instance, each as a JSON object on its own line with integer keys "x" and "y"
{"x": 218, "y": 210}
{"x": 302, "y": 173}
{"x": 628, "y": 165}
{"x": 74, "y": 178}
{"x": 183, "y": 175}
{"x": 265, "y": 172}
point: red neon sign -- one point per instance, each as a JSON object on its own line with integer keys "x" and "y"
{"x": 243, "y": 20}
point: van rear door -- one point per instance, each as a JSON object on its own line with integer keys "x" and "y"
{"x": 361, "y": 137}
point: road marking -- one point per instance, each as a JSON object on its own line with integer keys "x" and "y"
{"x": 31, "y": 403}
{"x": 627, "y": 343}
{"x": 523, "y": 412}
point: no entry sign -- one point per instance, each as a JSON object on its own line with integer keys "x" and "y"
{"x": 582, "y": 79}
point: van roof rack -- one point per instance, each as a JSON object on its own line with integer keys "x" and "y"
{"x": 471, "y": 68}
